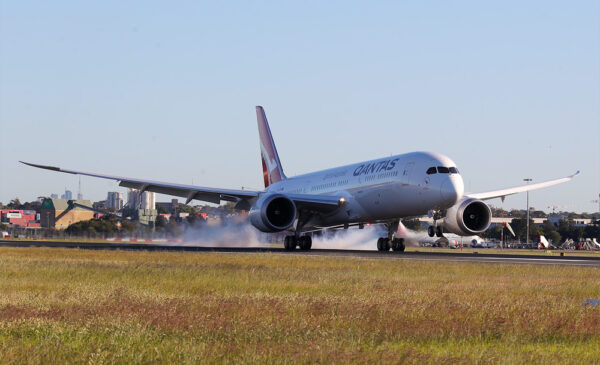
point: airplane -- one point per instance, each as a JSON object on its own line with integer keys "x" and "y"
{"x": 380, "y": 191}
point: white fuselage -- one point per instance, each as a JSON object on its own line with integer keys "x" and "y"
{"x": 382, "y": 189}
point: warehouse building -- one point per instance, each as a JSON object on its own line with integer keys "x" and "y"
{"x": 60, "y": 213}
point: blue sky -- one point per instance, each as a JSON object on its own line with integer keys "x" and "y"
{"x": 167, "y": 91}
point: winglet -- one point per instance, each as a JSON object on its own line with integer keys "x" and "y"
{"x": 52, "y": 168}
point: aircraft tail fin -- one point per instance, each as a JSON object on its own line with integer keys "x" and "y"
{"x": 272, "y": 170}
{"x": 544, "y": 243}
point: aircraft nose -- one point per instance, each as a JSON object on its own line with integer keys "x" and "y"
{"x": 452, "y": 189}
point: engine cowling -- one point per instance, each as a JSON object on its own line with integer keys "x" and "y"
{"x": 273, "y": 213}
{"x": 468, "y": 217}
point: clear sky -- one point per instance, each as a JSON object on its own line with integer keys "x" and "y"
{"x": 166, "y": 91}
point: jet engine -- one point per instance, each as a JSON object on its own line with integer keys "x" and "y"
{"x": 468, "y": 217}
{"x": 273, "y": 213}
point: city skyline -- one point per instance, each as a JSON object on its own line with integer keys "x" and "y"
{"x": 508, "y": 91}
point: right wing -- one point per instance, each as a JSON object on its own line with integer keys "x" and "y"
{"x": 519, "y": 189}
{"x": 190, "y": 192}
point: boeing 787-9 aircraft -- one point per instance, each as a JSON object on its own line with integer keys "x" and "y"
{"x": 379, "y": 191}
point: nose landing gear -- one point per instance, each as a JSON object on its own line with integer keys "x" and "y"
{"x": 435, "y": 231}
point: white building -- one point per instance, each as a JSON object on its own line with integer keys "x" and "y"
{"x": 146, "y": 201}
{"x": 114, "y": 200}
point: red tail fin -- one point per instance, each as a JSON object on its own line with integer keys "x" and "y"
{"x": 272, "y": 170}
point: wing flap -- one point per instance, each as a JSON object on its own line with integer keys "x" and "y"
{"x": 320, "y": 203}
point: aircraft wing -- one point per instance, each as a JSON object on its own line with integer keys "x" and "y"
{"x": 519, "y": 189}
{"x": 320, "y": 203}
{"x": 212, "y": 195}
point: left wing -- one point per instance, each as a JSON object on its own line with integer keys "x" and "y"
{"x": 320, "y": 203}
{"x": 190, "y": 192}
{"x": 519, "y": 189}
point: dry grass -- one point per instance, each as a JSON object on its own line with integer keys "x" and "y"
{"x": 65, "y": 305}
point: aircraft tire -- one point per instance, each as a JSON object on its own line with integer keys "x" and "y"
{"x": 305, "y": 243}
{"x": 385, "y": 244}
{"x": 439, "y": 231}
{"x": 379, "y": 244}
{"x": 398, "y": 244}
{"x": 430, "y": 231}
{"x": 289, "y": 243}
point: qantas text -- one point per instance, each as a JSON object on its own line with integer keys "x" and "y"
{"x": 375, "y": 167}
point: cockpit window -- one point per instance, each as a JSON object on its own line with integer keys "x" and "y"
{"x": 431, "y": 170}
{"x": 453, "y": 170}
{"x": 443, "y": 170}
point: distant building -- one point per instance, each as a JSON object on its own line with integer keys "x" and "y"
{"x": 144, "y": 205}
{"x": 169, "y": 206}
{"x": 146, "y": 200}
{"x": 54, "y": 196}
{"x": 68, "y": 195}
{"x": 60, "y": 213}
{"x": 114, "y": 200}
{"x": 20, "y": 217}
{"x": 578, "y": 222}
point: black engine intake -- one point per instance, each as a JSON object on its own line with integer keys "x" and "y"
{"x": 468, "y": 217}
{"x": 273, "y": 213}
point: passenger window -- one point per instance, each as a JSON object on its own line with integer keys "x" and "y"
{"x": 431, "y": 170}
{"x": 442, "y": 170}
{"x": 453, "y": 170}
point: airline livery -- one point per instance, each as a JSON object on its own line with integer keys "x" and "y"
{"x": 380, "y": 191}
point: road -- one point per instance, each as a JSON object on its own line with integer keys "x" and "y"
{"x": 482, "y": 257}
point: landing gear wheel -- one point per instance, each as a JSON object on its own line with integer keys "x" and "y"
{"x": 398, "y": 244}
{"x": 439, "y": 231}
{"x": 289, "y": 243}
{"x": 430, "y": 231}
{"x": 305, "y": 243}
{"x": 383, "y": 244}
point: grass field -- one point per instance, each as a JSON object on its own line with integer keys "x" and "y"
{"x": 67, "y": 305}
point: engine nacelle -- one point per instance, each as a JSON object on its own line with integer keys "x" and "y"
{"x": 273, "y": 213}
{"x": 468, "y": 217}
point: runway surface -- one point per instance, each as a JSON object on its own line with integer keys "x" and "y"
{"x": 482, "y": 257}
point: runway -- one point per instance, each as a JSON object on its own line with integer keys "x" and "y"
{"x": 506, "y": 258}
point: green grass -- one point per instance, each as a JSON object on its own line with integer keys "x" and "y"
{"x": 67, "y": 305}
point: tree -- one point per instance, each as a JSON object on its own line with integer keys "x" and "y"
{"x": 161, "y": 210}
{"x": 182, "y": 208}
{"x": 127, "y": 226}
{"x": 519, "y": 225}
{"x": 591, "y": 231}
{"x": 554, "y": 236}
{"x": 160, "y": 223}
{"x": 14, "y": 204}
{"x": 568, "y": 230}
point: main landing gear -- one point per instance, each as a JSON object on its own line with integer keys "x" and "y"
{"x": 303, "y": 242}
{"x": 385, "y": 243}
